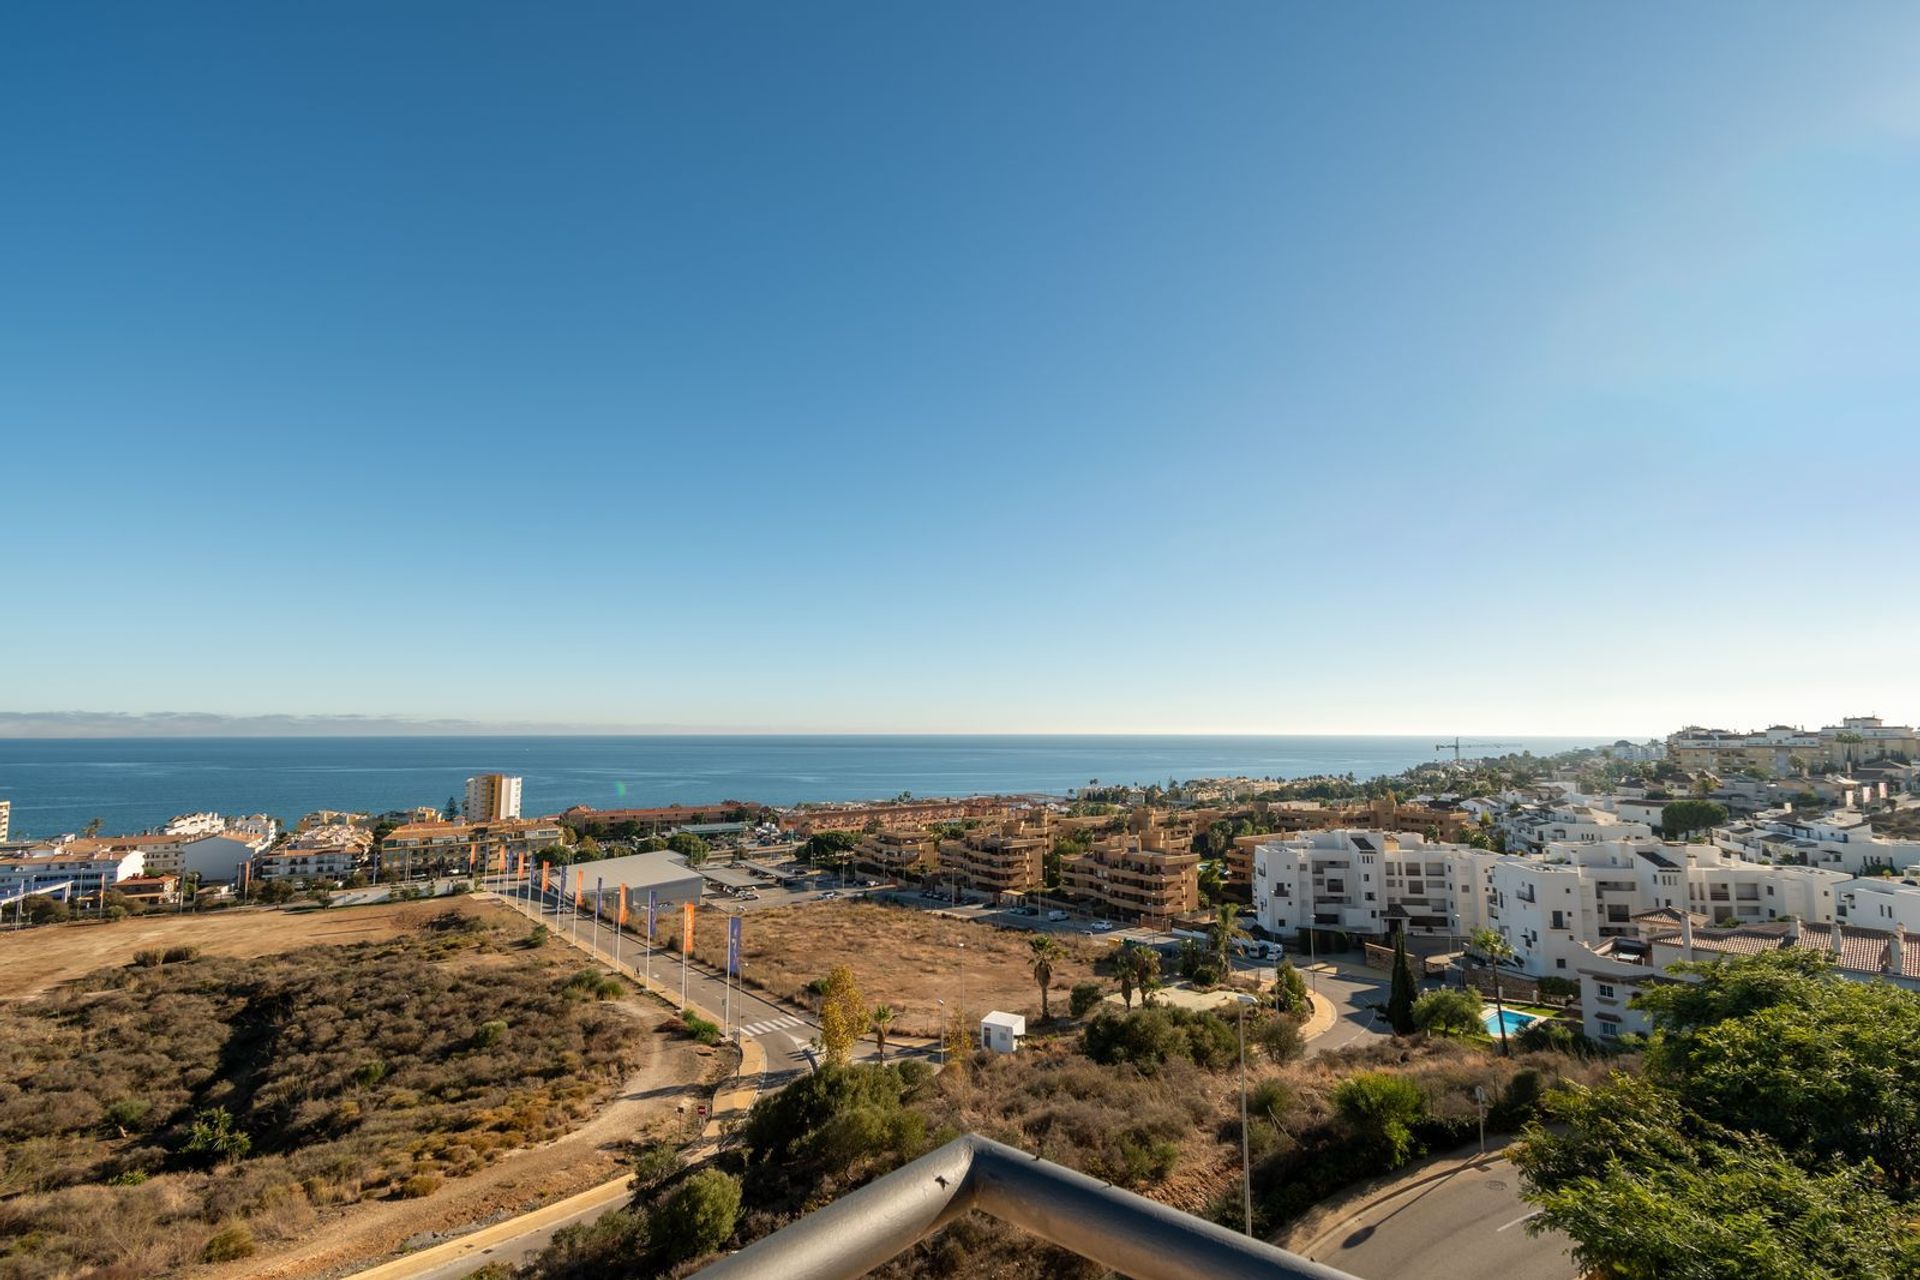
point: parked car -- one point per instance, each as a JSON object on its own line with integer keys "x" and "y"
{"x": 1101, "y": 926}
{"x": 1056, "y": 915}
{"x": 830, "y": 893}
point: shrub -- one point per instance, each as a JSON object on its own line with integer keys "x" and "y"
{"x": 1549, "y": 1035}
{"x": 654, "y": 1164}
{"x": 1279, "y": 1037}
{"x": 1381, "y": 1108}
{"x": 697, "y": 1218}
{"x": 700, "y": 1029}
{"x": 148, "y": 958}
{"x": 489, "y": 1034}
{"x": 538, "y": 936}
{"x": 1149, "y": 1037}
{"x": 420, "y": 1184}
{"x": 180, "y": 955}
{"x": 1449, "y": 1012}
{"x": 214, "y": 1137}
{"x": 231, "y": 1242}
{"x": 1085, "y": 996}
{"x": 127, "y": 1113}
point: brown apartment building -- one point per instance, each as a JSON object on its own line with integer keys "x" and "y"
{"x": 908, "y": 815}
{"x": 1010, "y": 858}
{"x": 1148, "y": 875}
{"x": 899, "y": 853}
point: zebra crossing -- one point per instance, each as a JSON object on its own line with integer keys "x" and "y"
{"x": 772, "y": 1024}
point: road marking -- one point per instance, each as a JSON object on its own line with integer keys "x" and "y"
{"x": 1522, "y": 1218}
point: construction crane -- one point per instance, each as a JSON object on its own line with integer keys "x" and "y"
{"x": 1456, "y": 746}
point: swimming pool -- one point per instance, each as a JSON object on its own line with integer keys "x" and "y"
{"x": 1515, "y": 1020}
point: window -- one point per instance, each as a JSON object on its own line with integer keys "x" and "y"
{"x": 1560, "y": 963}
{"x": 1605, "y": 989}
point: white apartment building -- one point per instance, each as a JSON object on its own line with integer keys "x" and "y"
{"x": 1840, "y": 841}
{"x": 1617, "y": 970}
{"x": 1878, "y": 902}
{"x": 288, "y": 863}
{"x": 1552, "y": 907}
{"x": 194, "y": 824}
{"x": 58, "y": 871}
{"x": 1532, "y": 828}
{"x": 6, "y": 819}
{"x": 255, "y": 824}
{"x": 491, "y": 797}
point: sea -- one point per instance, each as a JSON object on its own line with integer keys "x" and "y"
{"x": 132, "y": 784}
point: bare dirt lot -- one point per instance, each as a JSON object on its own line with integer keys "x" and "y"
{"x": 902, "y": 957}
{"x": 32, "y": 960}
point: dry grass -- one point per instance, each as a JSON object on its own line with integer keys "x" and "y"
{"x": 34, "y": 960}
{"x": 903, "y": 957}
{"x": 377, "y": 1069}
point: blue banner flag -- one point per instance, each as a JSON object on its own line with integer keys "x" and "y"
{"x": 599, "y": 894}
{"x": 653, "y": 901}
{"x": 733, "y": 947}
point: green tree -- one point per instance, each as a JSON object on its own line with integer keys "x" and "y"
{"x": 1497, "y": 951}
{"x": 1224, "y": 932}
{"x": 1681, "y": 818}
{"x": 1290, "y": 990}
{"x": 92, "y": 828}
{"x": 1448, "y": 1013}
{"x": 1138, "y": 969}
{"x": 1086, "y": 997}
{"x": 42, "y": 909}
{"x": 1404, "y": 990}
{"x": 1046, "y": 950}
{"x": 452, "y": 809}
{"x": 697, "y": 1217}
{"x": 1647, "y": 1193}
{"x": 843, "y": 1016}
{"x": 1212, "y": 883}
{"x": 689, "y": 846}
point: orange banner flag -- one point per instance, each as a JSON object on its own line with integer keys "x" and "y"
{"x": 579, "y": 893}
{"x": 623, "y": 907}
{"x": 546, "y": 876}
{"x": 686, "y": 929}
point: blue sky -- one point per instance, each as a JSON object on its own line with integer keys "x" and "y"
{"x": 1240, "y": 367}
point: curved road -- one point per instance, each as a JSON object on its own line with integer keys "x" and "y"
{"x": 1466, "y": 1225}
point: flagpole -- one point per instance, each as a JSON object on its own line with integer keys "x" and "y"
{"x": 599, "y": 894}
{"x": 619, "y": 926}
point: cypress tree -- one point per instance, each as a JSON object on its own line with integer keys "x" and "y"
{"x": 1400, "y": 999}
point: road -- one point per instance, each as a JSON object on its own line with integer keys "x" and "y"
{"x": 1465, "y": 1226}
{"x": 785, "y": 1034}
{"x": 1351, "y": 987}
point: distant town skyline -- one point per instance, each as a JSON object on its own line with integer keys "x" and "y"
{"x": 1478, "y": 369}
{"x": 73, "y": 724}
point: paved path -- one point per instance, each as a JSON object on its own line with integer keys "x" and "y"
{"x": 1467, "y": 1223}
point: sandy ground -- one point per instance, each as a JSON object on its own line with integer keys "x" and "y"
{"x": 901, "y": 957}
{"x": 32, "y": 960}
{"x": 657, "y": 1100}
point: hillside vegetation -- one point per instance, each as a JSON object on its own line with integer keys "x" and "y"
{"x": 187, "y": 1108}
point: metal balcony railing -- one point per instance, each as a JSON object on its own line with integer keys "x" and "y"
{"x": 1117, "y": 1229}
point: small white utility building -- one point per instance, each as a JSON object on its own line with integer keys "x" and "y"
{"x": 1001, "y": 1032}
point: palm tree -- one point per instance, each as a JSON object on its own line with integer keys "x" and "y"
{"x": 1124, "y": 970}
{"x": 882, "y": 1020}
{"x": 1496, "y": 949}
{"x": 1045, "y": 950}
{"x": 1226, "y": 931}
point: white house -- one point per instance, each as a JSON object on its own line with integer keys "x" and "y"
{"x": 1001, "y": 1032}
